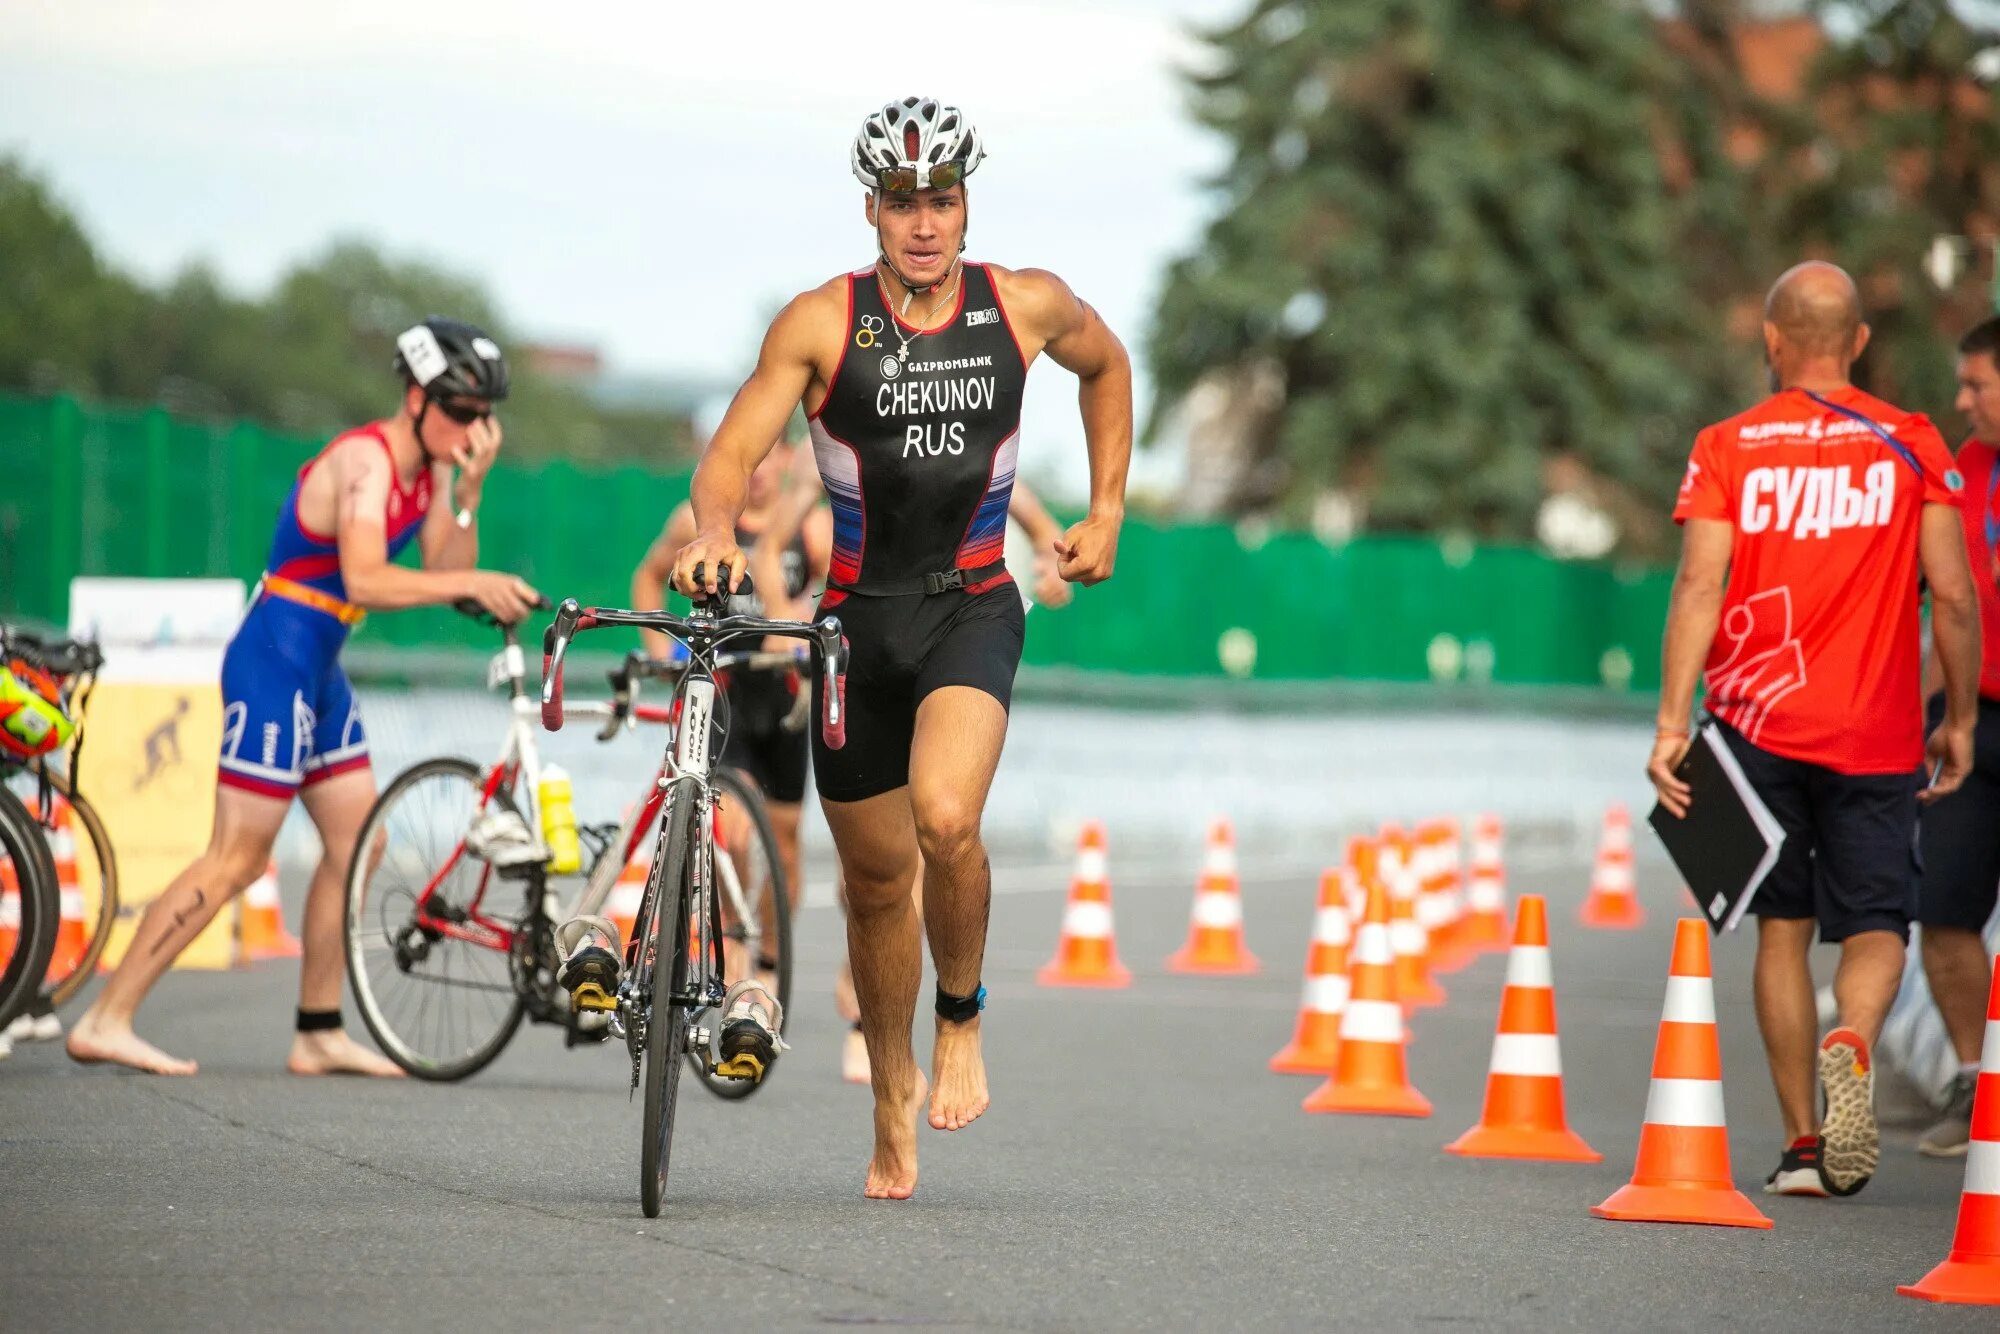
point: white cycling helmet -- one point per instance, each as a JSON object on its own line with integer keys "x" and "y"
{"x": 917, "y": 143}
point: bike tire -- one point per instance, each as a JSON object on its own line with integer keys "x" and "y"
{"x": 366, "y": 940}
{"x": 58, "y": 991}
{"x": 25, "y": 860}
{"x": 734, "y": 785}
{"x": 671, "y": 889}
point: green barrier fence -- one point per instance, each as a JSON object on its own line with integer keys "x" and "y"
{"x": 97, "y": 490}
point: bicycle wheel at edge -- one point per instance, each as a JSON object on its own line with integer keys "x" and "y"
{"x": 58, "y": 991}
{"x": 380, "y": 894}
{"x": 736, "y": 787}
{"x": 25, "y": 859}
{"x": 666, "y": 1022}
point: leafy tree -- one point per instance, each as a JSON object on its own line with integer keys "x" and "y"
{"x": 313, "y": 356}
{"x": 1445, "y": 227}
{"x": 1899, "y": 144}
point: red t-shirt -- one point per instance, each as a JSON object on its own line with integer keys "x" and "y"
{"x": 1980, "y": 507}
{"x": 1818, "y": 656}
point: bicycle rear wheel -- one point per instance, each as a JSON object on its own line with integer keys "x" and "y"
{"x": 28, "y": 927}
{"x": 441, "y": 1005}
{"x": 93, "y": 880}
{"x": 671, "y": 890}
{"x": 752, "y": 850}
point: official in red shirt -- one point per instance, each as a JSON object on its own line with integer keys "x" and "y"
{"x": 1960, "y": 837}
{"x": 1806, "y": 521}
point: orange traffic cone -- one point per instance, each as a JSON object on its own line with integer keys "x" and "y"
{"x": 1369, "y": 1074}
{"x": 1315, "y": 1041}
{"x": 10, "y": 909}
{"x": 1524, "y": 1088}
{"x": 1086, "y": 952}
{"x": 1215, "y": 931}
{"x": 1486, "y": 889}
{"x": 1441, "y": 905}
{"x": 72, "y": 928}
{"x": 1614, "y": 896}
{"x": 1970, "y": 1275}
{"x": 1682, "y": 1175}
{"x": 621, "y": 905}
{"x": 1415, "y": 987}
{"x": 260, "y": 928}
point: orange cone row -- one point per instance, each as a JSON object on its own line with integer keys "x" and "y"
{"x": 1087, "y": 953}
{"x": 1215, "y": 931}
{"x": 1315, "y": 1044}
{"x": 1369, "y": 1075}
{"x": 1614, "y": 894}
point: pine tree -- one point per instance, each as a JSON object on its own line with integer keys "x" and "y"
{"x": 1446, "y": 233}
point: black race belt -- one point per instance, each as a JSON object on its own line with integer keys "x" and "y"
{"x": 944, "y": 581}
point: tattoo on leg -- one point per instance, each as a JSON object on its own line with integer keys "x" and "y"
{"x": 181, "y": 919}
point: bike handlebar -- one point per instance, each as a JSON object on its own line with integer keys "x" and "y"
{"x": 59, "y": 657}
{"x": 710, "y": 631}
{"x": 472, "y": 608}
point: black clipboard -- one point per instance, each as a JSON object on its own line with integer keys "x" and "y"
{"x": 1729, "y": 840}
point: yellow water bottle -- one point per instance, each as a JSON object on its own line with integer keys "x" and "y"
{"x": 559, "y": 823}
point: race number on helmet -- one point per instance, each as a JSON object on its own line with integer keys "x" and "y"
{"x": 917, "y": 143}
{"x": 451, "y": 359}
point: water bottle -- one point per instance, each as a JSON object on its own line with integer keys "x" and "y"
{"x": 559, "y": 823}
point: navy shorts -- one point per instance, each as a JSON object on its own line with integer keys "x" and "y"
{"x": 289, "y": 719}
{"x": 1960, "y": 835}
{"x": 900, "y": 650}
{"x": 1850, "y": 853}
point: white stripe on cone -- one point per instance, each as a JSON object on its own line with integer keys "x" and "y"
{"x": 1326, "y": 995}
{"x": 1528, "y": 966}
{"x": 1091, "y": 866}
{"x": 1989, "y": 1055}
{"x": 1087, "y": 921}
{"x": 1371, "y": 1021}
{"x": 1221, "y": 860}
{"x": 1526, "y": 1054}
{"x": 1371, "y": 945}
{"x": 1690, "y": 1000}
{"x": 1685, "y": 1102}
{"x": 1485, "y": 894}
{"x": 1213, "y": 909}
{"x": 1407, "y": 937}
{"x": 1330, "y": 927}
{"x": 1982, "y": 1168}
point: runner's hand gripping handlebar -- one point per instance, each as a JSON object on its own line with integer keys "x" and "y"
{"x": 703, "y": 631}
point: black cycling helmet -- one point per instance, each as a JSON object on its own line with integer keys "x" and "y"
{"x": 451, "y": 359}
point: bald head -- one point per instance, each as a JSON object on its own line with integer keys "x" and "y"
{"x": 1816, "y": 309}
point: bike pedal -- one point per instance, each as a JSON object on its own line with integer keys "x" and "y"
{"x": 590, "y": 996}
{"x": 743, "y": 1065}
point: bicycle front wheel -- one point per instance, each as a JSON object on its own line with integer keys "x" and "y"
{"x": 29, "y": 905}
{"x": 671, "y": 891}
{"x": 437, "y": 990}
{"x": 757, "y": 904}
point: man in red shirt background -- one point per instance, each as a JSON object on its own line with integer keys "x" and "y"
{"x": 1806, "y": 521}
{"x": 1960, "y": 838}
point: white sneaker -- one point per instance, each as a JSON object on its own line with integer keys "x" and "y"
{"x": 502, "y": 837}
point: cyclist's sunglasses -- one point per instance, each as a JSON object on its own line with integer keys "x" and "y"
{"x": 903, "y": 180}
{"x": 464, "y": 413}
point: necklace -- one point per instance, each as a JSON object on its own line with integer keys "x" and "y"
{"x": 903, "y": 352}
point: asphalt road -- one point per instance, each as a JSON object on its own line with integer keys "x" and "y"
{"x": 1139, "y": 1169}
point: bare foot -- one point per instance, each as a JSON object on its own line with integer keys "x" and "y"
{"x": 892, "y": 1172}
{"x": 854, "y": 1058}
{"x": 331, "y": 1052}
{"x": 94, "y": 1041}
{"x": 960, "y": 1074}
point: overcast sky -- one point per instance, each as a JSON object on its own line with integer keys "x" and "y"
{"x": 652, "y": 178}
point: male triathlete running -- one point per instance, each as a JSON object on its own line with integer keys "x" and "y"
{"x": 769, "y": 563}
{"x": 911, "y": 373}
{"x": 290, "y": 723}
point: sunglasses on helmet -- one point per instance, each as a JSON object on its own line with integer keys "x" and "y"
{"x": 462, "y": 412}
{"x": 905, "y": 180}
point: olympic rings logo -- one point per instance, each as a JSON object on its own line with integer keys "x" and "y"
{"x": 869, "y": 332}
